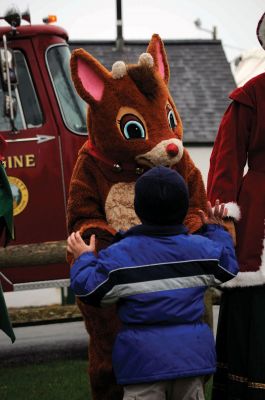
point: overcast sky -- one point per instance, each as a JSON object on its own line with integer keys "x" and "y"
{"x": 236, "y": 20}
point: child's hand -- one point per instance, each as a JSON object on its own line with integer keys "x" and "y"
{"x": 214, "y": 215}
{"x": 76, "y": 245}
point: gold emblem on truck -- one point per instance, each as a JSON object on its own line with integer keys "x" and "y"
{"x": 20, "y": 194}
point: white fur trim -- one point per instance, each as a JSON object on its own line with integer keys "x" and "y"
{"x": 233, "y": 210}
{"x": 245, "y": 279}
{"x": 249, "y": 278}
{"x": 261, "y": 31}
{"x": 119, "y": 70}
{"x": 146, "y": 59}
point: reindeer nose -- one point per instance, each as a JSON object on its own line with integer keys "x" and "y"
{"x": 172, "y": 150}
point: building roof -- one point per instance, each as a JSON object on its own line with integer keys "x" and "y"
{"x": 200, "y": 79}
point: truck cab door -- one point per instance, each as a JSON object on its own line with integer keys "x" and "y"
{"x": 34, "y": 165}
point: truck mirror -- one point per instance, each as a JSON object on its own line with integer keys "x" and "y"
{"x": 10, "y": 103}
{"x": 8, "y": 68}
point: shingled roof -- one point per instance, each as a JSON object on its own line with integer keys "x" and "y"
{"x": 200, "y": 79}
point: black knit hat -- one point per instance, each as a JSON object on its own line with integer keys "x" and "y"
{"x": 161, "y": 197}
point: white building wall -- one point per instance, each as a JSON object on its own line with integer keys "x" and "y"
{"x": 201, "y": 158}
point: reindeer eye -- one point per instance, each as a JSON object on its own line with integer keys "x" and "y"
{"x": 171, "y": 119}
{"x": 132, "y": 127}
{"x": 133, "y": 130}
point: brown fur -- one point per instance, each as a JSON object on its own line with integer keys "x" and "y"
{"x": 100, "y": 195}
{"x": 144, "y": 80}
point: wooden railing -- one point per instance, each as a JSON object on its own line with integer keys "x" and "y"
{"x": 33, "y": 254}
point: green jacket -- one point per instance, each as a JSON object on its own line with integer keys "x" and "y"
{"x": 6, "y": 228}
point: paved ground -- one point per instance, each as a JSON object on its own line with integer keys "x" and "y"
{"x": 44, "y": 343}
{"x": 215, "y": 318}
{"x": 50, "y": 342}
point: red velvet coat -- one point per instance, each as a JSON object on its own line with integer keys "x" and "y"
{"x": 240, "y": 142}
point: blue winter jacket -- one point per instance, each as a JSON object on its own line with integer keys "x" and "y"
{"x": 158, "y": 277}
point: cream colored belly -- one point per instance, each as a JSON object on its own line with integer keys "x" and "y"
{"x": 119, "y": 206}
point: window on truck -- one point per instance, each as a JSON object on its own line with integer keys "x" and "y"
{"x": 28, "y": 113}
{"x": 72, "y": 107}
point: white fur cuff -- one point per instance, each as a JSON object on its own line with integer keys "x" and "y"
{"x": 246, "y": 279}
{"x": 249, "y": 278}
{"x": 233, "y": 210}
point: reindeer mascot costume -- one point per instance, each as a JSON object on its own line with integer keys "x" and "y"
{"x": 241, "y": 329}
{"x": 133, "y": 125}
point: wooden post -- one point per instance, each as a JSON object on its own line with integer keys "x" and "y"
{"x": 33, "y": 254}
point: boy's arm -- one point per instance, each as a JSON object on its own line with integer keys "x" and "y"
{"x": 214, "y": 230}
{"x": 85, "y": 263}
{"x": 82, "y": 272}
{"x": 90, "y": 276}
{"x": 227, "y": 256}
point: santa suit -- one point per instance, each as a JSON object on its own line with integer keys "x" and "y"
{"x": 237, "y": 177}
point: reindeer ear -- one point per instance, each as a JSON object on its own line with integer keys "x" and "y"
{"x": 157, "y": 51}
{"x": 88, "y": 75}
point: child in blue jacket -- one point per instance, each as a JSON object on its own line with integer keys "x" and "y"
{"x": 157, "y": 274}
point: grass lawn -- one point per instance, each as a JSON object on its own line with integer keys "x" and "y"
{"x": 57, "y": 380}
{"x": 61, "y": 380}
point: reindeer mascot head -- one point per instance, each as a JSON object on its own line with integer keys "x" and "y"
{"x": 133, "y": 125}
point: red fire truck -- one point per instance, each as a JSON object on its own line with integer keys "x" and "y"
{"x": 44, "y": 123}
